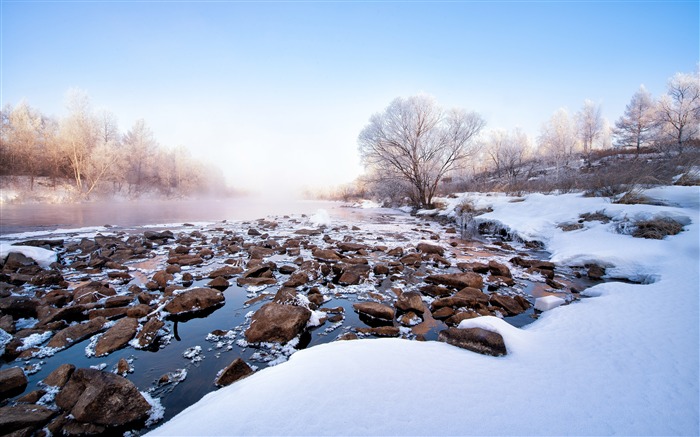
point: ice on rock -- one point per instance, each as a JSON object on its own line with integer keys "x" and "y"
{"x": 547, "y": 303}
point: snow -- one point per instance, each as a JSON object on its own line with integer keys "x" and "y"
{"x": 320, "y": 218}
{"x": 622, "y": 362}
{"x": 546, "y": 303}
{"x": 43, "y": 257}
{"x": 5, "y": 338}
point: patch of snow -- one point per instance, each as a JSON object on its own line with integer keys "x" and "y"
{"x": 43, "y": 257}
{"x": 25, "y": 323}
{"x": 157, "y": 411}
{"x": 5, "y": 338}
{"x": 34, "y": 340}
{"x": 320, "y": 218}
{"x": 546, "y": 303}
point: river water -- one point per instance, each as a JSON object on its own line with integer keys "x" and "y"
{"x": 49, "y": 217}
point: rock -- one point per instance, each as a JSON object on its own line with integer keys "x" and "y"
{"x": 476, "y": 297}
{"x": 116, "y": 337}
{"x": 31, "y": 398}
{"x": 457, "y": 318}
{"x": 443, "y": 313}
{"x": 19, "y": 306}
{"x": 46, "y": 278}
{"x": 60, "y": 376}
{"x": 102, "y": 398}
{"x": 410, "y": 319}
{"x": 286, "y": 296}
{"x": 123, "y": 367}
{"x": 348, "y": 336}
{"x": 138, "y": 311}
{"x": 430, "y": 249}
{"x": 595, "y": 271}
{"x": 24, "y": 416}
{"x": 220, "y": 283}
{"x": 410, "y": 301}
{"x": 256, "y": 282}
{"x": 148, "y": 334}
{"x": 162, "y": 278}
{"x": 476, "y": 267}
{"x": 457, "y": 280}
{"x": 76, "y": 333}
{"x": 354, "y": 274}
{"x": 351, "y": 247}
{"x": 298, "y": 278}
{"x": 197, "y": 299}
{"x": 381, "y": 269}
{"x": 186, "y": 260}
{"x": 498, "y": 269}
{"x": 475, "y": 339}
{"x": 436, "y": 291}
{"x": 92, "y": 292}
{"x": 396, "y": 252}
{"x": 13, "y": 381}
{"x": 509, "y": 304}
{"x": 325, "y": 254}
{"x": 381, "y": 331}
{"x": 118, "y": 301}
{"x": 238, "y": 369}
{"x": 413, "y": 259}
{"x": 225, "y": 272}
{"x": 165, "y": 235}
{"x": 374, "y": 309}
{"x": 277, "y": 323}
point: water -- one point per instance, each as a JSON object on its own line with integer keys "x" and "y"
{"x": 49, "y": 217}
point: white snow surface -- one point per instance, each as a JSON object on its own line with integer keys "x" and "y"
{"x": 320, "y": 218}
{"x": 624, "y": 362}
{"x": 43, "y": 257}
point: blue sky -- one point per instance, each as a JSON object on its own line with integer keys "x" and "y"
{"x": 276, "y": 93}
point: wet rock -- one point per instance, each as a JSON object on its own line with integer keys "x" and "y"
{"x": 197, "y": 299}
{"x": 225, "y": 272}
{"x": 123, "y": 367}
{"x": 256, "y": 282}
{"x": 475, "y": 339}
{"x": 381, "y": 331}
{"x": 498, "y": 269}
{"x": 510, "y": 305}
{"x": 297, "y": 279}
{"x": 354, "y": 274}
{"x": 19, "y": 306}
{"x": 595, "y": 271}
{"x": 46, "y": 278}
{"x": 277, "y": 323}
{"x": 149, "y": 333}
{"x": 162, "y": 278}
{"x": 118, "y": 301}
{"x": 76, "y": 333}
{"x": 430, "y": 249}
{"x": 527, "y": 263}
{"x": 13, "y": 381}
{"x": 25, "y": 417}
{"x": 495, "y": 282}
{"x": 457, "y": 280}
{"x": 102, "y": 398}
{"x": 374, "y": 309}
{"x": 92, "y": 292}
{"x": 154, "y": 236}
{"x": 410, "y": 301}
{"x": 412, "y": 259}
{"x": 220, "y": 283}
{"x": 31, "y": 398}
{"x": 476, "y": 267}
{"x": 238, "y": 369}
{"x": 457, "y": 318}
{"x": 436, "y": 290}
{"x": 116, "y": 337}
{"x": 410, "y": 319}
{"x": 443, "y": 313}
{"x": 60, "y": 376}
{"x": 348, "y": 336}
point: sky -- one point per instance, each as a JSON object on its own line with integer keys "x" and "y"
{"x": 276, "y": 93}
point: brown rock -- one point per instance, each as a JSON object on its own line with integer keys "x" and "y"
{"x": 148, "y": 334}
{"x": 374, "y": 309}
{"x": 13, "y": 381}
{"x": 92, "y": 292}
{"x": 298, "y": 278}
{"x": 219, "y": 283}
{"x": 116, "y": 337}
{"x": 430, "y": 249}
{"x": 118, "y": 301}
{"x": 413, "y": 259}
{"x": 325, "y": 254}
{"x": 354, "y": 274}
{"x": 162, "y": 278}
{"x": 475, "y": 339}
{"x": 381, "y": 331}
{"x": 255, "y": 282}
{"x": 102, "y": 398}
{"x": 123, "y": 367}
{"x": 596, "y": 272}
{"x": 197, "y": 299}
{"x": 410, "y": 301}
{"x": 24, "y": 417}
{"x": 76, "y": 333}
{"x": 238, "y": 369}
{"x": 226, "y": 272}
{"x": 60, "y": 376}
{"x": 443, "y": 313}
{"x": 277, "y": 323}
{"x": 381, "y": 269}
{"x": 498, "y": 269}
{"x": 457, "y": 318}
{"x": 509, "y": 304}
{"x": 457, "y": 280}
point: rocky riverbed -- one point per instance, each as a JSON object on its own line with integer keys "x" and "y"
{"x": 130, "y": 326}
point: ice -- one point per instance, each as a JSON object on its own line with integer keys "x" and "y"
{"x": 34, "y": 340}
{"x": 320, "y": 218}
{"x": 43, "y": 257}
{"x": 5, "y": 338}
{"x": 547, "y": 303}
{"x": 157, "y": 411}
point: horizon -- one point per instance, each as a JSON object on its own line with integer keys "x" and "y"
{"x": 275, "y": 94}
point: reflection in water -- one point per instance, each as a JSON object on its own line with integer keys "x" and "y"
{"x": 33, "y": 217}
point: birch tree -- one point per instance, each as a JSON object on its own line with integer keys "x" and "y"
{"x": 558, "y": 139}
{"x": 637, "y": 125}
{"x": 679, "y": 110}
{"x": 417, "y": 141}
{"x": 589, "y": 126}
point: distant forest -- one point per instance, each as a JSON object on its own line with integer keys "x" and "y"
{"x": 87, "y": 148}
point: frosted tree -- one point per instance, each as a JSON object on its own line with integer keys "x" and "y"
{"x": 140, "y": 147}
{"x": 417, "y": 141}
{"x": 25, "y": 141}
{"x": 507, "y": 151}
{"x": 679, "y": 110}
{"x": 589, "y": 126}
{"x": 558, "y": 139}
{"x": 78, "y": 135}
{"x": 637, "y": 125}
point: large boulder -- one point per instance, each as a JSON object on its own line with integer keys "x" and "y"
{"x": 13, "y": 381}
{"x": 374, "y": 309}
{"x": 197, "y": 299}
{"x": 23, "y": 417}
{"x": 457, "y": 280}
{"x": 277, "y": 323}
{"x": 116, "y": 337}
{"x": 94, "y": 396}
{"x": 326, "y": 255}
{"x": 410, "y": 301}
{"x": 238, "y": 369}
{"x": 475, "y": 339}
{"x": 60, "y": 376}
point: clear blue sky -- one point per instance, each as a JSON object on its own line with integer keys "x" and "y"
{"x": 276, "y": 93}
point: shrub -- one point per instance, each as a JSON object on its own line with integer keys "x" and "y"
{"x": 656, "y": 229}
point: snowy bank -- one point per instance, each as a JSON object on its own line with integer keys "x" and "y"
{"x": 623, "y": 362}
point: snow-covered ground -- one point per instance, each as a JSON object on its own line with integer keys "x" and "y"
{"x": 623, "y": 362}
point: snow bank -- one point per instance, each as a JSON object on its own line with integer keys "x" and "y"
{"x": 320, "y": 218}
{"x": 625, "y": 362}
{"x": 43, "y": 257}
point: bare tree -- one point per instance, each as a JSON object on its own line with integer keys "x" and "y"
{"x": 589, "y": 126}
{"x": 25, "y": 141}
{"x": 78, "y": 135}
{"x": 140, "y": 146}
{"x": 557, "y": 138}
{"x": 679, "y": 109}
{"x": 636, "y": 126}
{"x": 507, "y": 151}
{"x": 419, "y": 142}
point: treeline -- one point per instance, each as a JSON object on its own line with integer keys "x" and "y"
{"x": 88, "y": 148}
{"x": 415, "y": 147}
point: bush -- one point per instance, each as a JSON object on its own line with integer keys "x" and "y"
{"x": 656, "y": 229}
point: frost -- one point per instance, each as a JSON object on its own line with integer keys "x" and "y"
{"x": 157, "y": 411}
{"x": 25, "y": 323}
{"x": 34, "y": 340}
{"x": 194, "y": 354}
{"x": 100, "y": 366}
{"x": 5, "y": 338}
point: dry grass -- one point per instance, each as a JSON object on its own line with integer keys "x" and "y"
{"x": 595, "y": 216}
{"x": 656, "y": 229}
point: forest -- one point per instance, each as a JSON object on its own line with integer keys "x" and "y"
{"x": 87, "y": 148}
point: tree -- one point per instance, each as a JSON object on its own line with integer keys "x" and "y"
{"x": 637, "y": 125}
{"x": 25, "y": 141}
{"x": 589, "y": 126}
{"x": 417, "y": 141}
{"x": 507, "y": 151}
{"x": 78, "y": 135}
{"x": 140, "y": 146}
{"x": 679, "y": 109}
{"x": 557, "y": 138}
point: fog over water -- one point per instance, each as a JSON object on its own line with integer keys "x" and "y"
{"x": 48, "y": 217}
